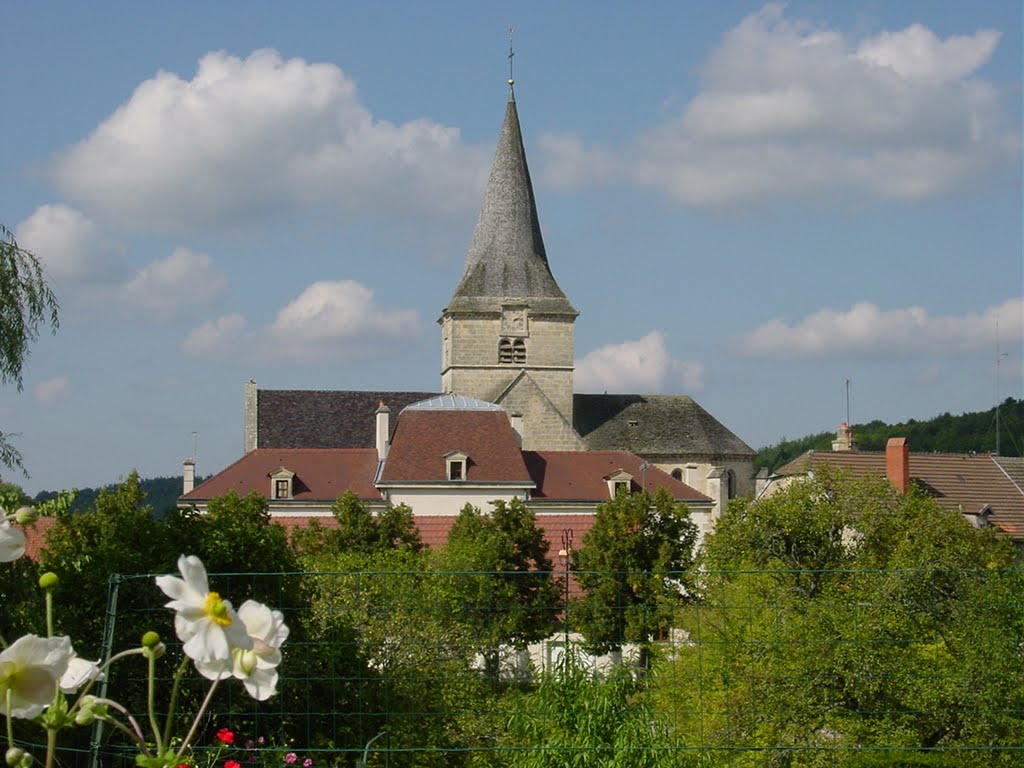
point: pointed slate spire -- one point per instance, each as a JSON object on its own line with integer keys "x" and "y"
{"x": 506, "y": 258}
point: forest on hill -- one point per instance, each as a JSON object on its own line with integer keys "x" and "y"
{"x": 969, "y": 432}
{"x": 160, "y": 493}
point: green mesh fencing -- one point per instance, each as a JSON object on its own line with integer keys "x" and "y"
{"x": 767, "y": 668}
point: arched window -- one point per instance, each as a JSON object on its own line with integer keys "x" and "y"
{"x": 512, "y": 352}
{"x": 677, "y": 474}
{"x": 519, "y": 352}
{"x": 730, "y": 480}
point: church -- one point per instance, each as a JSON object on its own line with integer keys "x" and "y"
{"x": 506, "y": 422}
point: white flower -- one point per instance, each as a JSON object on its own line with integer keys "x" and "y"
{"x": 12, "y": 541}
{"x": 256, "y": 667}
{"x": 78, "y": 673}
{"x": 204, "y": 622}
{"x": 29, "y": 672}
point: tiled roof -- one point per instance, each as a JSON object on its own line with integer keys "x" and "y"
{"x": 304, "y": 418}
{"x": 507, "y": 256}
{"x": 35, "y": 536}
{"x": 581, "y": 476}
{"x": 422, "y": 438}
{"x": 653, "y": 424}
{"x": 964, "y": 482}
{"x": 321, "y": 474}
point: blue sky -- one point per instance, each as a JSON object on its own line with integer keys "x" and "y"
{"x": 748, "y": 203}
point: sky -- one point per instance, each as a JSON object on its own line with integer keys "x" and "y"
{"x": 791, "y": 212}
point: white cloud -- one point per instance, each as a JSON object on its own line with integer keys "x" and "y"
{"x": 162, "y": 287}
{"x": 327, "y": 322}
{"x": 868, "y": 331}
{"x": 245, "y": 138}
{"x": 643, "y": 365}
{"x": 70, "y": 246}
{"x": 791, "y": 110}
{"x": 52, "y": 391}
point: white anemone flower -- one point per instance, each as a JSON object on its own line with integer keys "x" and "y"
{"x": 12, "y": 541}
{"x": 205, "y": 622}
{"x": 79, "y": 672}
{"x": 256, "y": 667}
{"x": 30, "y": 670}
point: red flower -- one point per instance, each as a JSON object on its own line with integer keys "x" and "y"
{"x": 226, "y": 736}
{"x": 232, "y": 764}
{"x": 182, "y": 765}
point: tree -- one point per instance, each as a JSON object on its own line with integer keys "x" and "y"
{"x": 26, "y": 302}
{"x": 634, "y": 569}
{"x": 905, "y": 641}
{"x": 359, "y": 531}
{"x": 500, "y": 577}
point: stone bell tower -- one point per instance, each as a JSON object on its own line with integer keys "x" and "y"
{"x": 507, "y": 333}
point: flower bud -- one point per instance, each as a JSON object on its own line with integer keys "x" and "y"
{"x": 14, "y": 756}
{"x": 48, "y": 581}
{"x": 150, "y": 639}
{"x": 25, "y": 516}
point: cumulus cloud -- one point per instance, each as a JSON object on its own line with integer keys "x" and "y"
{"x": 791, "y": 110}
{"x": 643, "y": 365}
{"x": 162, "y": 287}
{"x": 246, "y": 138}
{"x": 327, "y": 322}
{"x": 70, "y": 246}
{"x": 52, "y": 391}
{"x": 868, "y": 331}
{"x": 92, "y": 270}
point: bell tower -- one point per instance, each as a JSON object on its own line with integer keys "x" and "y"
{"x": 508, "y": 331}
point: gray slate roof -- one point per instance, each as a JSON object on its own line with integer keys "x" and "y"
{"x": 652, "y": 424}
{"x": 309, "y": 418}
{"x": 507, "y": 260}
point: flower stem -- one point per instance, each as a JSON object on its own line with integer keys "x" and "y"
{"x": 151, "y": 703}
{"x": 51, "y": 746}
{"x": 199, "y": 716}
{"x": 179, "y": 673}
{"x": 10, "y": 720}
{"x": 49, "y": 613}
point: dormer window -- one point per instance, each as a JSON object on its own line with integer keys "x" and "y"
{"x": 512, "y": 352}
{"x": 619, "y": 482}
{"x": 282, "y": 484}
{"x": 456, "y": 464}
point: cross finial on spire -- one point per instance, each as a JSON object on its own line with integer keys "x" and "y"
{"x": 511, "y": 53}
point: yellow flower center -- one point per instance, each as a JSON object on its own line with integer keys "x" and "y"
{"x": 217, "y": 609}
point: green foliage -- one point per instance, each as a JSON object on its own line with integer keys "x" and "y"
{"x": 634, "y": 570}
{"x": 359, "y": 530}
{"x": 944, "y": 434}
{"x": 576, "y": 718}
{"x": 910, "y": 641}
{"x": 500, "y": 577}
{"x": 161, "y": 493}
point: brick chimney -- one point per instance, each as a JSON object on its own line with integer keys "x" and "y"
{"x": 897, "y": 463}
{"x": 383, "y": 430}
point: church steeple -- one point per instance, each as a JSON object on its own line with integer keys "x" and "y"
{"x": 507, "y": 259}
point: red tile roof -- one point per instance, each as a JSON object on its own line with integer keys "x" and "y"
{"x": 35, "y": 536}
{"x": 321, "y": 474}
{"x": 964, "y": 482}
{"x": 423, "y": 437}
{"x": 581, "y": 476}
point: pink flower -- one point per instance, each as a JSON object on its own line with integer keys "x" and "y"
{"x": 307, "y": 762}
{"x": 290, "y": 758}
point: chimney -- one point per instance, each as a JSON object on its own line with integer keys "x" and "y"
{"x": 188, "y": 476}
{"x": 844, "y": 439}
{"x": 897, "y": 463}
{"x": 251, "y": 432}
{"x": 383, "y": 430}
{"x": 517, "y": 426}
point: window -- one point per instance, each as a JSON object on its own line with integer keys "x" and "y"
{"x": 730, "y": 484}
{"x": 677, "y": 474}
{"x": 456, "y": 464}
{"x": 619, "y": 481}
{"x": 512, "y": 352}
{"x": 281, "y": 490}
{"x": 282, "y": 483}
{"x": 505, "y": 352}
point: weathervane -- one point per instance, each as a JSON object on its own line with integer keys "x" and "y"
{"x": 511, "y": 53}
